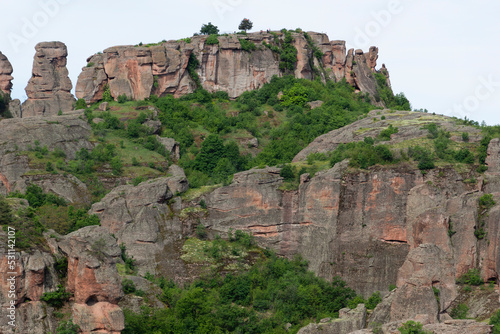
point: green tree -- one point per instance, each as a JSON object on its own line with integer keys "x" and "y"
{"x": 68, "y": 327}
{"x": 495, "y": 321}
{"x": 287, "y": 173}
{"x": 212, "y": 150}
{"x": 245, "y": 25}
{"x": 5, "y": 212}
{"x": 209, "y": 29}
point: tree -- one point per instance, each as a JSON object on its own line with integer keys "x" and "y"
{"x": 5, "y": 212}
{"x": 212, "y": 150}
{"x": 245, "y": 25}
{"x": 209, "y": 29}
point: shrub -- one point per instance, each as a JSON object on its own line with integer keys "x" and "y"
{"x": 287, "y": 173}
{"x": 106, "y": 95}
{"x": 495, "y": 321}
{"x": 80, "y": 104}
{"x": 208, "y": 29}
{"x": 122, "y": 98}
{"x": 412, "y": 327}
{"x": 459, "y": 311}
{"x": 472, "y": 277}
{"x": 465, "y": 137}
{"x": 374, "y": 300}
{"x": 201, "y": 231}
{"x": 385, "y": 134}
{"x": 128, "y": 286}
{"x": 5, "y": 212}
{"x": 211, "y": 40}
{"x": 68, "y": 327}
{"x": 56, "y": 298}
{"x": 247, "y": 45}
{"x": 486, "y": 201}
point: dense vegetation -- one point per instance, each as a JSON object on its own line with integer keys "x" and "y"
{"x": 45, "y": 211}
{"x": 262, "y": 299}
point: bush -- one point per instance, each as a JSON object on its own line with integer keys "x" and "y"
{"x": 459, "y": 311}
{"x": 80, "y": 104}
{"x": 128, "y": 286}
{"x": 412, "y": 327}
{"x": 247, "y": 45}
{"x": 211, "y": 40}
{"x": 374, "y": 300}
{"x": 385, "y": 134}
{"x": 287, "y": 173}
{"x": 486, "y": 201}
{"x": 472, "y": 277}
{"x": 208, "y": 29}
{"x": 5, "y": 212}
{"x": 201, "y": 231}
{"x": 495, "y": 321}
{"x": 68, "y": 327}
{"x": 56, "y": 298}
{"x": 465, "y": 137}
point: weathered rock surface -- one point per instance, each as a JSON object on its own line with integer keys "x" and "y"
{"x": 49, "y": 89}
{"x": 446, "y": 327}
{"x": 349, "y": 321}
{"x": 141, "y": 218}
{"x": 68, "y": 133}
{"x": 93, "y": 278}
{"x": 5, "y": 75}
{"x": 409, "y": 124}
{"x": 169, "y": 143}
{"x": 139, "y": 71}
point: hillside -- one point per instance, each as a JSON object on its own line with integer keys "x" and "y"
{"x": 304, "y": 203}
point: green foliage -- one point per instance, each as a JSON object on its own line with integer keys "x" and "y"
{"x": 273, "y": 292}
{"x": 36, "y": 197}
{"x": 423, "y": 156}
{"x": 287, "y": 173}
{"x": 208, "y": 29}
{"x": 68, "y": 327}
{"x": 106, "y": 95}
{"x": 384, "y": 93}
{"x": 56, "y": 298}
{"x": 486, "y": 202}
{"x": 465, "y": 137}
{"x": 495, "y": 321}
{"x": 245, "y": 25}
{"x": 385, "y": 134}
{"x": 128, "y": 286}
{"x": 362, "y": 154}
{"x": 90, "y": 64}
{"x": 61, "y": 266}
{"x": 412, "y": 327}
{"x": 288, "y": 53}
{"x": 80, "y": 104}
{"x": 373, "y": 300}
{"x": 392, "y": 287}
{"x": 4, "y": 105}
{"x": 211, "y": 40}
{"x": 193, "y": 64}
{"x": 5, "y": 212}
{"x": 472, "y": 277}
{"x": 123, "y": 98}
{"x": 129, "y": 261}
{"x": 460, "y": 312}
{"x": 201, "y": 231}
{"x": 247, "y": 45}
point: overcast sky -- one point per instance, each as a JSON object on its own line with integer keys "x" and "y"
{"x": 443, "y": 54}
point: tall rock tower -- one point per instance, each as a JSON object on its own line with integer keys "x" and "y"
{"x": 49, "y": 89}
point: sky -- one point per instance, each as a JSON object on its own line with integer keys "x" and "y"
{"x": 442, "y": 54}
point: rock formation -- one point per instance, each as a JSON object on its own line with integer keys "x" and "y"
{"x": 5, "y": 75}
{"x": 49, "y": 89}
{"x": 139, "y": 71}
{"x": 68, "y": 133}
{"x": 349, "y": 321}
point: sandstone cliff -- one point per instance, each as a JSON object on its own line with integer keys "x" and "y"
{"x": 5, "y": 75}
{"x": 49, "y": 89}
{"x": 139, "y": 71}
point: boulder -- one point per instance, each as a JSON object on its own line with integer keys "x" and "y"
{"x": 49, "y": 89}
{"x": 171, "y": 146}
{"x": 103, "y": 106}
{"x": 349, "y": 321}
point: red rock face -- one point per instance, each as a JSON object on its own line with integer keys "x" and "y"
{"x": 49, "y": 89}
{"x": 141, "y": 71}
{"x": 5, "y": 75}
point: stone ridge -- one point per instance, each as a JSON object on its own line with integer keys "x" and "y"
{"x": 139, "y": 71}
{"x": 49, "y": 89}
{"x": 5, "y": 75}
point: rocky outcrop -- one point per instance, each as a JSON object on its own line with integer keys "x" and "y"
{"x": 49, "y": 89}
{"x": 349, "y": 321}
{"x": 93, "y": 278}
{"x": 161, "y": 69}
{"x": 68, "y": 133}
{"x": 410, "y": 125}
{"x": 142, "y": 218}
{"x": 446, "y": 327}
{"x": 5, "y": 75}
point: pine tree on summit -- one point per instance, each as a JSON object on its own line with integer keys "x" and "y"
{"x": 209, "y": 29}
{"x": 245, "y": 25}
